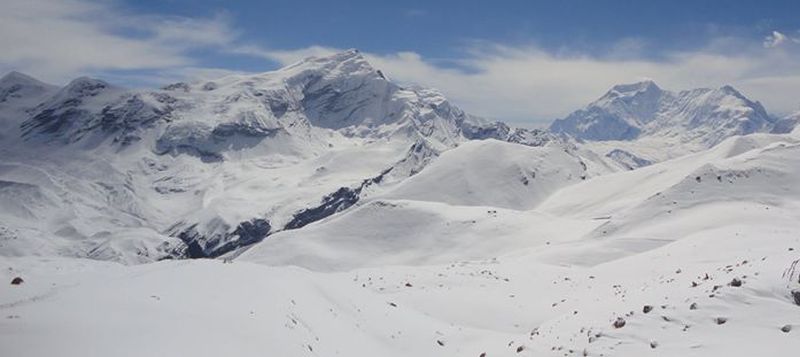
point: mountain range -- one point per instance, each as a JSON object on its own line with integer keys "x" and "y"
{"x": 172, "y": 157}
{"x": 182, "y": 165}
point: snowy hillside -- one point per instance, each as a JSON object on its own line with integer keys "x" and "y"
{"x": 695, "y": 256}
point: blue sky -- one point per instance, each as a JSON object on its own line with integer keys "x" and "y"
{"x": 436, "y": 28}
{"x": 523, "y": 61}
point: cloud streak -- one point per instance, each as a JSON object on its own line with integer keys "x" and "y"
{"x": 777, "y": 39}
{"x": 57, "y": 40}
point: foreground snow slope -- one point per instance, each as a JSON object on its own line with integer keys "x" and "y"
{"x": 496, "y": 306}
{"x": 398, "y": 277}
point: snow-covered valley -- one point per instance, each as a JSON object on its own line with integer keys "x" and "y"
{"x": 325, "y": 210}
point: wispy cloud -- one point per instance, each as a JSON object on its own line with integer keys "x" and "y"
{"x": 774, "y": 39}
{"x": 58, "y": 39}
{"x": 414, "y": 13}
{"x": 777, "y": 39}
{"x": 283, "y": 57}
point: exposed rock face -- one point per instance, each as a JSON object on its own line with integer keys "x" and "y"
{"x": 340, "y": 200}
{"x": 627, "y": 159}
{"x": 201, "y": 246}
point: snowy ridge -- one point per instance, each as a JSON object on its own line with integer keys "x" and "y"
{"x": 16, "y": 86}
{"x": 19, "y": 93}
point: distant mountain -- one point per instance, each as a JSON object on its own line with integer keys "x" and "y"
{"x": 18, "y": 94}
{"x": 632, "y": 111}
{"x": 16, "y": 87}
{"x": 786, "y": 124}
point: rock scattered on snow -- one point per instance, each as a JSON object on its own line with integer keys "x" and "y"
{"x": 796, "y": 296}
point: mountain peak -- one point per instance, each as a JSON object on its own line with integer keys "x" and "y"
{"x": 15, "y": 77}
{"x": 351, "y": 53}
{"x": 20, "y": 86}
{"x": 346, "y": 64}
{"x": 637, "y": 87}
{"x": 85, "y": 86}
{"x": 84, "y": 80}
{"x": 728, "y": 89}
{"x": 351, "y": 57}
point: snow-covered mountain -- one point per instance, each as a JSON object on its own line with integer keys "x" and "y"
{"x": 18, "y": 94}
{"x": 787, "y": 124}
{"x": 633, "y": 111}
{"x": 200, "y": 169}
{"x": 23, "y": 91}
{"x": 342, "y": 92}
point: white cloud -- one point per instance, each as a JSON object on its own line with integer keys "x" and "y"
{"x": 284, "y": 57}
{"x": 190, "y": 32}
{"x": 777, "y": 39}
{"x": 59, "y": 39}
{"x": 774, "y": 39}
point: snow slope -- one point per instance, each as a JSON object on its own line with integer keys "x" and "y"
{"x": 493, "y": 173}
{"x": 649, "y": 261}
{"x": 462, "y": 197}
